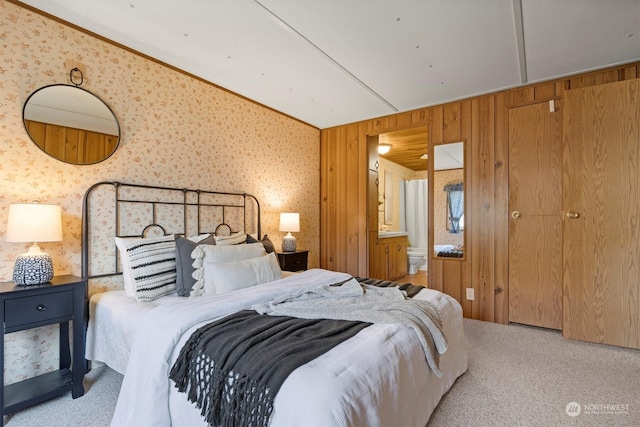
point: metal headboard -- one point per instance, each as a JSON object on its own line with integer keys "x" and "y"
{"x": 190, "y": 202}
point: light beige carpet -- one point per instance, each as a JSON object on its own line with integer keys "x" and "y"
{"x": 518, "y": 376}
{"x": 526, "y": 376}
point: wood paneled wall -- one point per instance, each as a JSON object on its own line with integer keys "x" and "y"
{"x": 71, "y": 145}
{"x": 482, "y": 122}
{"x": 343, "y": 200}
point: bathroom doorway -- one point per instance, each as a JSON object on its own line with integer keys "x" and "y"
{"x": 401, "y": 163}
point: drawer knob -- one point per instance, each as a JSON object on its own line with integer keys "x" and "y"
{"x": 41, "y": 307}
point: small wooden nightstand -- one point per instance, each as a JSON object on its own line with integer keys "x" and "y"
{"x": 24, "y": 307}
{"x": 293, "y": 261}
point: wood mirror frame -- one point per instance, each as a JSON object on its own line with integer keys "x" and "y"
{"x": 447, "y": 170}
{"x": 71, "y": 124}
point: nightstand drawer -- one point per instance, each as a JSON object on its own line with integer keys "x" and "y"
{"x": 293, "y": 261}
{"x": 37, "y": 308}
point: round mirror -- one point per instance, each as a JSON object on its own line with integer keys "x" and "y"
{"x": 71, "y": 124}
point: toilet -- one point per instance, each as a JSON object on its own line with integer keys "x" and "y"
{"x": 417, "y": 259}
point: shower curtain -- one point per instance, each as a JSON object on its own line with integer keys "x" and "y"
{"x": 416, "y": 211}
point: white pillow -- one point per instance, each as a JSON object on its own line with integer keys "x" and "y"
{"x": 220, "y": 278}
{"x": 127, "y": 276}
{"x": 148, "y": 266}
{"x": 234, "y": 239}
{"x": 218, "y": 254}
{"x": 198, "y": 238}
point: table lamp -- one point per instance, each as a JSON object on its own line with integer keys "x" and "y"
{"x": 289, "y": 222}
{"x": 34, "y": 222}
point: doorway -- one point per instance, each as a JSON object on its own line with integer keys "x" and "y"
{"x": 602, "y": 203}
{"x": 535, "y": 223}
{"x": 405, "y": 160}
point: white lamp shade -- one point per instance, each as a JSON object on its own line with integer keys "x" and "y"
{"x": 290, "y": 222}
{"x": 34, "y": 222}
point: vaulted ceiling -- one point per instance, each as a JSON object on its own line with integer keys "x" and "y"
{"x": 329, "y": 63}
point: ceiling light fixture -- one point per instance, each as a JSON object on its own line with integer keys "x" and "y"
{"x": 424, "y": 157}
{"x": 384, "y": 148}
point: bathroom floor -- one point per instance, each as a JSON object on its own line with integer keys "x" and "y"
{"x": 420, "y": 278}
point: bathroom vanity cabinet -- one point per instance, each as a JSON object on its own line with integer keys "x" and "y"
{"x": 388, "y": 257}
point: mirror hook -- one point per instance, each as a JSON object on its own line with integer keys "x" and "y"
{"x": 71, "y": 76}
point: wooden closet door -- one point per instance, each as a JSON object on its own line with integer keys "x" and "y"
{"x": 601, "y": 186}
{"x": 535, "y": 225}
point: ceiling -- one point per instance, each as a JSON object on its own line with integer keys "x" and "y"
{"x": 407, "y": 147}
{"x": 448, "y": 156}
{"x": 70, "y": 106}
{"x": 329, "y": 63}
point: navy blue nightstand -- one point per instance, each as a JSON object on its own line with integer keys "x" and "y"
{"x": 62, "y": 300}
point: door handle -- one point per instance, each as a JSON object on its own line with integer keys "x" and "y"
{"x": 515, "y": 214}
{"x": 573, "y": 215}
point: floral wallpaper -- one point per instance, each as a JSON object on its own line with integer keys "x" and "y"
{"x": 175, "y": 131}
{"x": 440, "y": 234}
{"x": 399, "y": 173}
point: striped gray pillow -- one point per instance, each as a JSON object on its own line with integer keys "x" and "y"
{"x": 153, "y": 266}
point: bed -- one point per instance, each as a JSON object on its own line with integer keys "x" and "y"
{"x": 379, "y": 376}
{"x": 448, "y": 251}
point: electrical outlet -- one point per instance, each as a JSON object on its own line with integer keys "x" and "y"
{"x": 471, "y": 294}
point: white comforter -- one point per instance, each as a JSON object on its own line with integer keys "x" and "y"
{"x": 378, "y": 377}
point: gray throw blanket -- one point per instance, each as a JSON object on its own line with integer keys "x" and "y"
{"x": 408, "y": 288}
{"x": 360, "y": 302}
{"x": 233, "y": 368}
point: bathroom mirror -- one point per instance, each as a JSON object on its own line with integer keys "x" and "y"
{"x": 71, "y": 124}
{"x": 447, "y": 187}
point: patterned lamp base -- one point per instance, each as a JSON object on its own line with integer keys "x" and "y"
{"x": 33, "y": 269}
{"x": 288, "y": 243}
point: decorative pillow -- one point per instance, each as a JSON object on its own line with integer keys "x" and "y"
{"x": 219, "y": 254}
{"x": 184, "y": 263}
{"x": 220, "y": 278}
{"x": 234, "y": 239}
{"x": 268, "y": 244}
{"x": 127, "y": 277}
{"x": 150, "y": 265}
